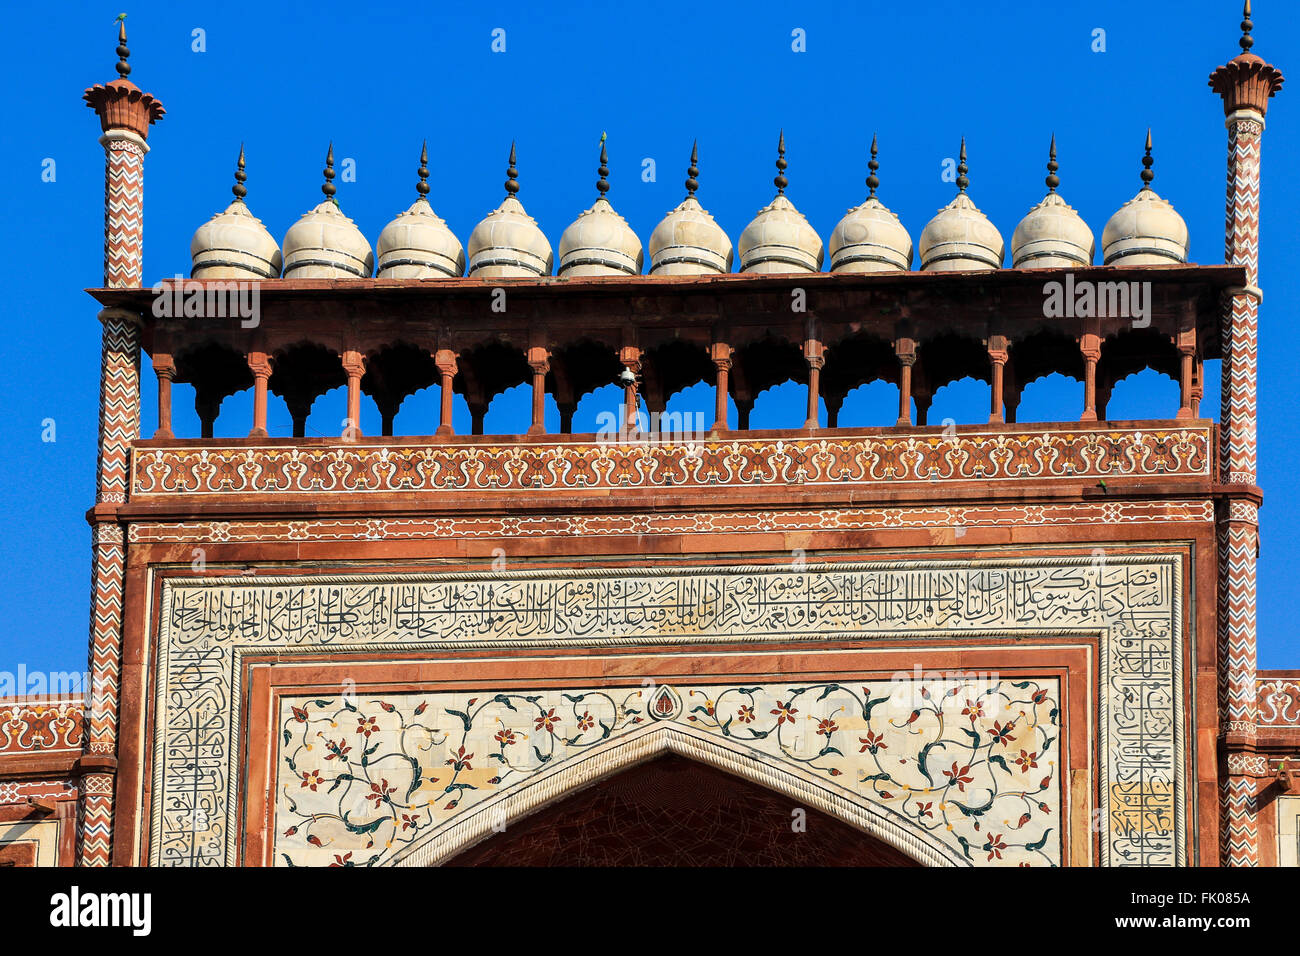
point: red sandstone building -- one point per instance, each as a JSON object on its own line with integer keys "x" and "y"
{"x": 994, "y": 645}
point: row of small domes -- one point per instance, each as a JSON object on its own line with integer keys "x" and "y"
{"x": 325, "y": 243}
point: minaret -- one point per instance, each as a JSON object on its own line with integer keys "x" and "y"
{"x": 1246, "y": 83}
{"x": 125, "y": 114}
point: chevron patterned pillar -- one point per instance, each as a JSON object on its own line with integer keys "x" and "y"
{"x": 125, "y": 114}
{"x": 1246, "y": 83}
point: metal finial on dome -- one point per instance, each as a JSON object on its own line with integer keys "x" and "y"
{"x": 240, "y": 176}
{"x": 602, "y": 184}
{"x": 1147, "y": 175}
{"x": 873, "y": 181}
{"x": 1052, "y": 180}
{"x": 512, "y": 184}
{"x": 693, "y": 170}
{"x": 781, "y": 165}
{"x": 123, "y": 68}
{"x": 328, "y": 188}
{"x": 422, "y": 187}
{"x": 1246, "y": 41}
{"x": 962, "y": 168}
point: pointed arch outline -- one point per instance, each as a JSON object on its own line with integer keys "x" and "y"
{"x": 477, "y": 823}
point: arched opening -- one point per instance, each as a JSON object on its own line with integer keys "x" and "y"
{"x": 510, "y": 808}
{"x": 770, "y": 363}
{"x": 860, "y": 382}
{"x": 577, "y": 370}
{"x": 674, "y": 811}
{"x": 486, "y": 371}
{"x": 1043, "y": 381}
{"x": 393, "y": 373}
{"x": 216, "y": 372}
{"x": 953, "y": 373}
{"x": 1152, "y": 394}
{"x": 301, "y": 374}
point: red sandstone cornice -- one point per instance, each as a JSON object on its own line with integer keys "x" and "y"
{"x": 121, "y": 104}
{"x": 1216, "y": 276}
{"x": 1246, "y": 82}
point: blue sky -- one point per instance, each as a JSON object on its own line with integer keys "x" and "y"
{"x": 377, "y": 79}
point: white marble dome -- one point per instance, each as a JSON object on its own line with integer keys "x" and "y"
{"x": 234, "y": 244}
{"x": 508, "y": 242}
{"x": 870, "y": 238}
{"x": 960, "y": 238}
{"x": 688, "y": 241}
{"x": 1052, "y": 234}
{"x": 418, "y": 244}
{"x": 1145, "y": 231}
{"x": 324, "y": 243}
{"x": 600, "y": 242}
{"x": 779, "y": 239}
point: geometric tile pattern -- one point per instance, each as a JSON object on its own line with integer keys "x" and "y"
{"x": 1067, "y": 454}
{"x": 119, "y": 425}
{"x": 1238, "y": 533}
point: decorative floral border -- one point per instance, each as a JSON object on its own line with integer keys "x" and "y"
{"x": 448, "y": 468}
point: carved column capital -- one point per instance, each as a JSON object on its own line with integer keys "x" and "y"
{"x": 354, "y": 363}
{"x": 259, "y": 364}
{"x": 445, "y": 361}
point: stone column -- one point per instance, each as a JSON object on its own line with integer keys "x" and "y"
{"x": 445, "y": 360}
{"x": 354, "y": 364}
{"x": 630, "y": 356}
{"x": 998, "y": 357}
{"x": 539, "y": 360}
{"x": 165, "y": 369}
{"x": 1245, "y": 83}
{"x": 905, "y": 349}
{"x": 720, "y": 353}
{"x": 1090, "y": 346}
{"x": 815, "y": 355}
{"x": 260, "y": 366}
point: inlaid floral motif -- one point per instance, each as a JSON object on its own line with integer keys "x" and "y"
{"x": 972, "y": 763}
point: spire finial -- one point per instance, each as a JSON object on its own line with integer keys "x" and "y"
{"x": 873, "y": 181}
{"x": 962, "y": 168}
{"x": 1147, "y": 175}
{"x": 602, "y": 184}
{"x": 512, "y": 184}
{"x": 693, "y": 170}
{"x": 123, "y": 68}
{"x": 1246, "y": 41}
{"x": 328, "y": 188}
{"x": 239, "y": 189}
{"x": 422, "y": 187}
{"x": 1052, "y": 180}
{"x": 781, "y": 165}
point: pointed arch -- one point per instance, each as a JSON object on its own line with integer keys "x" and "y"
{"x": 477, "y": 822}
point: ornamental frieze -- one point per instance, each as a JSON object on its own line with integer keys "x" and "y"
{"x": 1131, "y": 604}
{"x": 965, "y": 456}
